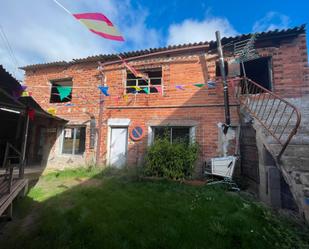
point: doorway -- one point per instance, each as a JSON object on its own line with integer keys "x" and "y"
{"x": 118, "y": 146}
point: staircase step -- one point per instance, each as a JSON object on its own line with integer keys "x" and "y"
{"x": 292, "y": 150}
{"x": 298, "y": 139}
{"x": 304, "y": 178}
{"x": 295, "y": 163}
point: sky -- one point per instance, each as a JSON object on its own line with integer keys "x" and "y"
{"x": 39, "y": 31}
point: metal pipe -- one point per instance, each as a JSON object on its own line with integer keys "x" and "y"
{"x": 225, "y": 85}
{"x": 101, "y": 107}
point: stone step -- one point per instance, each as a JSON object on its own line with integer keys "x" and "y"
{"x": 298, "y": 139}
{"x": 292, "y": 150}
{"x": 304, "y": 178}
{"x": 295, "y": 163}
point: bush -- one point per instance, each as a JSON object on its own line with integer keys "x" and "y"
{"x": 175, "y": 161}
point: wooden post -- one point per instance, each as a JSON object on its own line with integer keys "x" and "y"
{"x": 24, "y": 147}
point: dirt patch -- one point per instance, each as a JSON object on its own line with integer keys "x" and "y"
{"x": 91, "y": 182}
{"x": 195, "y": 182}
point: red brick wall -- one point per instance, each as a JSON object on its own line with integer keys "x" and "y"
{"x": 201, "y": 105}
{"x": 289, "y": 64}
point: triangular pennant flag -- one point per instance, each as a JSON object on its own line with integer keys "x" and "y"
{"x": 31, "y": 114}
{"x": 137, "y": 88}
{"x": 104, "y": 90}
{"x": 25, "y": 94}
{"x": 180, "y": 87}
{"x": 146, "y": 90}
{"x": 136, "y": 73}
{"x": 211, "y": 84}
{"x": 125, "y": 97}
{"x": 18, "y": 91}
{"x": 64, "y": 91}
{"x": 52, "y": 111}
{"x": 199, "y": 85}
{"x": 159, "y": 88}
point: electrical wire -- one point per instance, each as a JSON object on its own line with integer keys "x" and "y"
{"x": 9, "y": 49}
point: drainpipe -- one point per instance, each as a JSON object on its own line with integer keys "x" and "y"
{"x": 101, "y": 108}
{"x": 225, "y": 86}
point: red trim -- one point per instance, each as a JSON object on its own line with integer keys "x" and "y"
{"x": 132, "y": 127}
{"x": 107, "y": 36}
{"x": 93, "y": 16}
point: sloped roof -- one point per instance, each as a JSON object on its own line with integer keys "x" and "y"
{"x": 7, "y": 85}
{"x": 274, "y": 34}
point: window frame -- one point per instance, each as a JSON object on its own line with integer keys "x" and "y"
{"x": 151, "y": 132}
{"x": 137, "y": 79}
{"x": 59, "y": 82}
{"x": 75, "y": 127}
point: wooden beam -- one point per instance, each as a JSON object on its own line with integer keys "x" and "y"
{"x": 6, "y": 200}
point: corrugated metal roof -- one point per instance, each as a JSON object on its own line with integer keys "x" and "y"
{"x": 212, "y": 44}
{"x": 7, "y": 85}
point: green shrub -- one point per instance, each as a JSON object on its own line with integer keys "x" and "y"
{"x": 175, "y": 161}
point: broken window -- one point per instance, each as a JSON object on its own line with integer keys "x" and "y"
{"x": 259, "y": 70}
{"x": 173, "y": 134}
{"x": 74, "y": 140}
{"x": 134, "y": 83}
{"x": 61, "y": 91}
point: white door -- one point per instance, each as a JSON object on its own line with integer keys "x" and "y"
{"x": 118, "y": 146}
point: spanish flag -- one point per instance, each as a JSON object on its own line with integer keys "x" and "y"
{"x": 100, "y": 25}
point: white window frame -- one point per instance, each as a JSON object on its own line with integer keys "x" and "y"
{"x": 138, "y": 79}
{"x": 74, "y": 140}
{"x": 151, "y": 132}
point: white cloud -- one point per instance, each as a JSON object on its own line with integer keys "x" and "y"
{"x": 195, "y": 31}
{"x": 272, "y": 20}
{"x": 39, "y": 31}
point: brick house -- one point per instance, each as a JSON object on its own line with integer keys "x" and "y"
{"x": 174, "y": 100}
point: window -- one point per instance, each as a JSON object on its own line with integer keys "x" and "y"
{"x": 174, "y": 134}
{"x": 74, "y": 139}
{"x": 61, "y": 91}
{"x": 259, "y": 70}
{"x": 155, "y": 76}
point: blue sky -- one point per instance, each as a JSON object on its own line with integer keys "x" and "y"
{"x": 39, "y": 31}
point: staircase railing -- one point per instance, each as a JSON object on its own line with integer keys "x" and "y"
{"x": 279, "y": 117}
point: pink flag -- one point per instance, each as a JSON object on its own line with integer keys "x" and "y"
{"x": 100, "y": 25}
{"x": 159, "y": 88}
{"x": 133, "y": 70}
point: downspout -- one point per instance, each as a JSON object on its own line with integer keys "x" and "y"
{"x": 101, "y": 108}
{"x": 225, "y": 85}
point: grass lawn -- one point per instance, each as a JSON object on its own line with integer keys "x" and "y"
{"x": 91, "y": 209}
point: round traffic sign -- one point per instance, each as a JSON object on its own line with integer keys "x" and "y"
{"x": 137, "y": 132}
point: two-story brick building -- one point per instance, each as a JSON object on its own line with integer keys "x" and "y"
{"x": 175, "y": 99}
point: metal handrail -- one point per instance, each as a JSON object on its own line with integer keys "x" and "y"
{"x": 273, "y": 112}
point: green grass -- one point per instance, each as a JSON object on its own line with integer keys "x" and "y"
{"x": 90, "y": 209}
